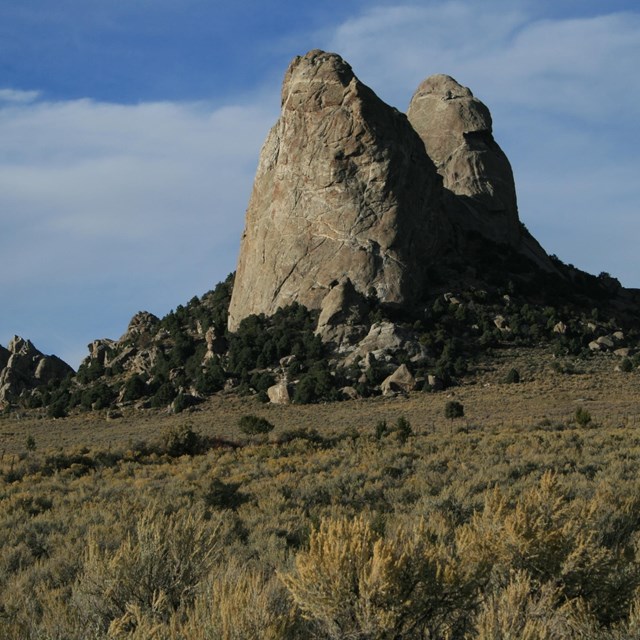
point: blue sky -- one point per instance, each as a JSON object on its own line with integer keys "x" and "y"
{"x": 130, "y": 131}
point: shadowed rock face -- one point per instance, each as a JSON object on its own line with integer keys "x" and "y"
{"x": 480, "y": 192}
{"x": 456, "y": 129}
{"x": 343, "y": 189}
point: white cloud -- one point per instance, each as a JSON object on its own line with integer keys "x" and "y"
{"x": 100, "y": 179}
{"x": 18, "y": 96}
{"x": 107, "y": 208}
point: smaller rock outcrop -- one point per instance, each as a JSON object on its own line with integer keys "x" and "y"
{"x": 23, "y": 368}
{"x": 480, "y": 192}
{"x": 142, "y": 327}
{"x": 384, "y": 341}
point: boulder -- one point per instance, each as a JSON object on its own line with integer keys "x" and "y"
{"x": 501, "y": 323}
{"x": 384, "y": 340}
{"x": 435, "y": 382}
{"x": 344, "y": 188}
{"x": 560, "y": 327}
{"x": 279, "y": 393}
{"x": 341, "y": 314}
{"x": 142, "y": 327}
{"x": 605, "y": 342}
{"x": 350, "y": 392}
{"x": 51, "y": 368}
{"x": 400, "y": 381}
{"x": 99, "y": 351}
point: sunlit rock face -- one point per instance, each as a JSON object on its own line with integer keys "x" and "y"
{"x": 344, "y": 189}
{"x": 349, "y": 188}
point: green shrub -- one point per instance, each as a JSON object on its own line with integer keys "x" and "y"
{"x": 626, "y": 365}
{"x": 513, "y": 377}
{"x": 403, "y": 429}
{"x": 252, "y": 425}
{"x": 58, "y": 409}
{"x": 30, "y": 443}
{"x": 134, "y": 388}
{"x": 582, "y": 417}
{"x": 453, "y": 409}
{"x": 164, "y": 395}
{"x": 183, "y": 440}
{"x": 223, "y": 495}
{"x": 381, "y": 429}
{"x": 211, "y": 379}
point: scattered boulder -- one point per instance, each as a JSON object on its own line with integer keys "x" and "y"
{"x": 605, "y": 342}
{"x": 384, "y": 341}
{"x": 400, "y": 381}
{"x": 560, "y": 327}
{"x": 501, "y": 323}
{"x": 287, "y": 360}
{"x": 279, "y": 393}
{"x": 341, "y": 314}
{"x": 350, "y": 392}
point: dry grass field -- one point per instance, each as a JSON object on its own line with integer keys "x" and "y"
{"x": 514, "y": 521}
{"x": 612, "y": 398}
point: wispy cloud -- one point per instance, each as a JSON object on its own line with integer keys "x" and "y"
{"x": 18, "y": 96}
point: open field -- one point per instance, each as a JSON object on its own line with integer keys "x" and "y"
{"x": 514, "y": 521}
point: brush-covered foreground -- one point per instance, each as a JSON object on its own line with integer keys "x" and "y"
{"x": 367, "y": 520}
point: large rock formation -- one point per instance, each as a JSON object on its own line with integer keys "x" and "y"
{"x": 23, "y": 367}
{"x": 480, "y": 192}
{"x": 349, "y": 188}
{"x": 343, "y": 189}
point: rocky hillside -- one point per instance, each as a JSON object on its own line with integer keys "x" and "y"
{"x": 381, "y": 254}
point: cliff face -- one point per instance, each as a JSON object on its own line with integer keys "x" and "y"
{"x": 343, "y": 189}
{"x": 349, "y": 188}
